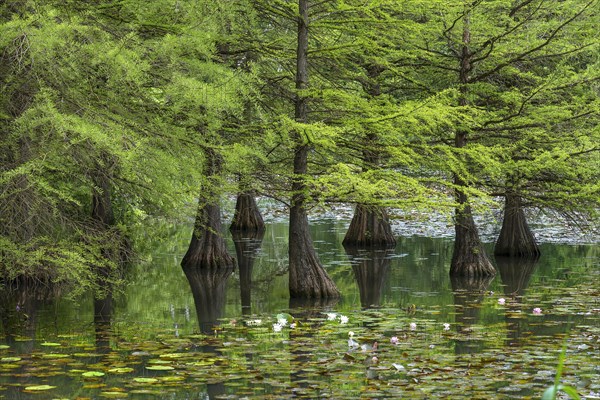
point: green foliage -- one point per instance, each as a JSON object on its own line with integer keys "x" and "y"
{"x": 123, "y": 98}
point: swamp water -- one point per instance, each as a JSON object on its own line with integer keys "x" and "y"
{"x": 234, "y": 335}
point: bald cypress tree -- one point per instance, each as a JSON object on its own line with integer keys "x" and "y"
{"x": 307, "y": 277}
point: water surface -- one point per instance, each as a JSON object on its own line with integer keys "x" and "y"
{"x": 204, "y": 328}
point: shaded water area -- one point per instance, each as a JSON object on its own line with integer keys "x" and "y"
{"x": 212, "y": 334}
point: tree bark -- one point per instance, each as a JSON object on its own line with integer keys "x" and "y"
{"x": 516, "y": 239}
{"x": 102, "y": 211}
{"x": 207, "y": 248}
{"x": 247, "y": 216}
{"x": 307, "y": 277}
{"x": 469, "y": 258}
{"x": 370, "y": 227}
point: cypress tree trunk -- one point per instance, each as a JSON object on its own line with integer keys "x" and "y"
{"x": 207, "y": 248}
{"x": 516, "y": 239}
{"x": 369, "y": 227}
{"x": 247, "y": 216}
{"x": 102, "y": 210}
{"x": 115, "y": 245}
{"x": 307, "y": 277}
{"x": 469, "y": 258}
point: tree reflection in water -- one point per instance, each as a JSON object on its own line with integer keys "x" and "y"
{"x": 20, "y": 302}
{"x": 371, "y": 267}
{"x": 103, "y": 313}
{"x": 209, "y": 286}
{"x": 247, "y": 247}
{"x": 468, "y": 293}
{"x": 515, "y": 274}
{"x": 302, "y": 357}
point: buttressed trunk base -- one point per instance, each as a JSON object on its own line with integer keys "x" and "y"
{"x": 369, "y": 227}
{"x": 469, "y": 258}
{"x": 207, "y": 247}
{"x": 247, "y": 216}
{"x": 516, "y": 239}
{"x": 307, "y": 278}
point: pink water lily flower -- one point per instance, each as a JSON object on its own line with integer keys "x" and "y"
{"x": 501, "y": 301}
{"x": 394, "y": 340}
{"x": 537, "y": 311}
{"x": 413, "y": 326}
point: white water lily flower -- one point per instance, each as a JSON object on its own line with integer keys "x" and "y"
{"x": 413, "y": 326}
{"x": 282, "y": 321}
{"x": 331, "y": 316}
{"x": 501, "y": 301}
{"x": 446, "y": 327}
{"x": 277, "y": 327}
{"x": 343, "y": 319}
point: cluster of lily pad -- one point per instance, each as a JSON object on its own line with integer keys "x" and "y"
{"x": 400, "y": 354}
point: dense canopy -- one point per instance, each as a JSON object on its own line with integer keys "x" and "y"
{"x": 116, "y": 113}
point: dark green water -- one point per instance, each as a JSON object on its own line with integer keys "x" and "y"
{"x": 155, "y": 315}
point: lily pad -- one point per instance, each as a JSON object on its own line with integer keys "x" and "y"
{"x": 4, "y": 347}
{"x": 160, "y": 368}
{"x": 10, "y": 359}
{"x": 121, "y": 370}
{"x": 92, "y": 374}
{"x": 145, "y": 380}
{"x": 50, "y": 344}
{"x": 39, "y": 388}
{"x": 55, "y": 355}
{"x": 173, "y": 355}
{"x": 113, "y": 395}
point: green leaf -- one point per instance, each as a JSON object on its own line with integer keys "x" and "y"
{"x": 549, "y": 394}
{"x": 570, "y": 390}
